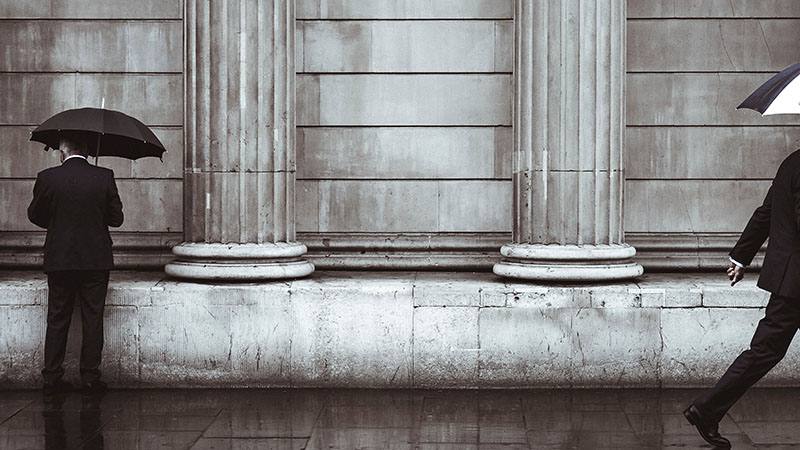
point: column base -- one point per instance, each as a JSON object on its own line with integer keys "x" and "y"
{"x": 568, "y": 262}
{"x": 239, "y": 261}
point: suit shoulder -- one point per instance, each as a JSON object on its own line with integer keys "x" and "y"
{"x": 791, "y": 162}
{"x": 47, "y": 172}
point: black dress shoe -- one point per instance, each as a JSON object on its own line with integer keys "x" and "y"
{"x": 94, "y": 387}
{"x": 57, "y": 387}
{"x": 709, "y": 430}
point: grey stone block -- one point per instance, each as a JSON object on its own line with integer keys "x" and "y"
{"x": 404, "y": 9}
{"x": 708, "y": 152}
{"x": 23, "y": 289}
{"x": 345, "y": 335}
{"x": 458, "y": 201}
{"x": 696, "y": 341}
{"x": 616, "y": 346}
{"x": 155, "y": 99}
{"x": 446, "y": 347}
{"x": 523, "y": 295}
{"x": 378, "y": 206}
{"x": 261, "y": 338}
{"x": 22, "y": 345}
{"x": 728, "y": 45}
{"x": 145, "y": 9}
{"x": 24, "y": 104}
{"x": 91, "y": 46}
{"x": 141, "y": 198}
{"x": 195, "y": 348}
{"x": 120, "y": 365}
{"x": 684, "y": 205}
{"x": 408, "y": 152}
{"x": 712, "y": 8}
{"x": 688, "y": 99}
{"x": 447, "y": 289}
{"x": 380, "y": 99}
{"x": 526, "y": 347}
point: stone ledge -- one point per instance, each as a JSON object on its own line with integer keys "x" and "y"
{"x": 400, "y": 329}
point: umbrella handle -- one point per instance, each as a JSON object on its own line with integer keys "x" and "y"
{"x": 97, "y": 149}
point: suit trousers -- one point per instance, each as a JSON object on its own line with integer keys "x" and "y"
{"x": 64, "y": 287}
{"x": 768, "y": 346}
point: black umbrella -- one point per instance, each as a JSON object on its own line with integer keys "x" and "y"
{"x": 113, "y": 133}
{"x": 779, "y": 95}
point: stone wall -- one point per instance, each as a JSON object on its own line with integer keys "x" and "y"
{"x": 404, "y": 116}
{"x": 404, "y": 112}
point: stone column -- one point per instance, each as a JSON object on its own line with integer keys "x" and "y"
{"x": 569, "y": 135}
{"x": 239, "y": 179}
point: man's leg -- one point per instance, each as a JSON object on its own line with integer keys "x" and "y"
{"x": 92, "y": 293}
{"x": 769, "y": 345}
{"x": 60, "y": 303}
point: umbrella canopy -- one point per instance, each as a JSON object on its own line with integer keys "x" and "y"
{"x": 119, "y": 134}
{"x": 779, "y": 95}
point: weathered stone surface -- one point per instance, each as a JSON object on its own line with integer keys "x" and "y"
{"x": 343, "y": 333}
{"x": 307, "y": 206}
{"x": 692, "y": 205}
{"x": 404, "y": 9}
{"x": 708, "y": 152}
{"x": 141, "y": 198}
{"x": 695, "y": 99}
{"x": 89, "y": 9}
{"x": 464, "y": 46}
{"x": 155, "y": 99}
{"x": 368, "y": 329}
{"x": 458, "y": 201}
{"x": 374, "y": 99}
{"x": 692, "y": 336}
{"x": 660, "y": 291}
{"x": 261, "y": 339}
{"x": 727, "y": 45}
{"x": 446, "y": 347}
{"x": 378, "y": 205}
{"x": 91, "y": 46}
{"x": 22, "y": 289}
{"x": 448, "y": 289}
{"x": 24, "y": 103}
{"x": 121, "y": 345}
{"x": 196, "y": 349}
{"x": 22, "y": 330}
{"x": 712, "y": 8}
{"x": 407, "y": 152}
{"x": 530, "y": 295}
{"x": 526, "y": 347}
{"x": 615, "y": 346}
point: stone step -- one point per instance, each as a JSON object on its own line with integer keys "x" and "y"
{"x": 400, "y": 330}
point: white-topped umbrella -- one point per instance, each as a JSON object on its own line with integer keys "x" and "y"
{"x": 779, "y": 95}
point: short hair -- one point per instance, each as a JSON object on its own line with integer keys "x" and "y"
{"x": 76, "y": 142}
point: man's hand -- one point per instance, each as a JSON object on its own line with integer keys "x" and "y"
{"x": 735, "y": 273}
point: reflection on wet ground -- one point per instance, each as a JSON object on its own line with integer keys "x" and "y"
{"x": 378, "y": 419}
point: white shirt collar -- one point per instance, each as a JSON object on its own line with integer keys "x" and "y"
{"x": 75, "y": 156}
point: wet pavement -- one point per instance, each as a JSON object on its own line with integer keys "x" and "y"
{"x": 383, "y": 419}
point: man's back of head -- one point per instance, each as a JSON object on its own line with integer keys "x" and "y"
{"x": 73, "y": 143}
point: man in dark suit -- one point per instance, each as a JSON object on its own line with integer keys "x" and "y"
{"x": 779, "y": 219}
{"x": 76, "y": 202}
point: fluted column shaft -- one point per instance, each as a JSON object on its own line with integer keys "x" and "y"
{"x": 239, "y": 179}
{"x": 569, "y": 133}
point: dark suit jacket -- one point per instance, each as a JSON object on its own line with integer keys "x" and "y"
{"x": 76, "y": 202}
{"x": 779, "y": 219}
